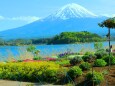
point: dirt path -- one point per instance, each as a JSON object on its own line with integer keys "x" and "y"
{"x": 17, "y": 83}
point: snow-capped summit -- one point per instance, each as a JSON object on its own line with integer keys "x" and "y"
{"x": 72, "y": 11}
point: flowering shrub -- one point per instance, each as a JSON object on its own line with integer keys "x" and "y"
{"x": 30, "y": 71}
{"x": 50, "y": 59}
{"x": 63, "y": 55}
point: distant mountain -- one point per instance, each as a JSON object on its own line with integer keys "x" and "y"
{"x": 71, "y": 17}
{"x": 72, "y": 11}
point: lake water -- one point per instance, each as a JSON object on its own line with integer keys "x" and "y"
{"x": 48, "y": 50}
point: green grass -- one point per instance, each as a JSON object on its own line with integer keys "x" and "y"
{"x": 72, "y": 56}
{"x": 63, "y": 62}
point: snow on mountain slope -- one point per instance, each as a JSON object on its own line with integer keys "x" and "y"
{"x": 72, "y": 11}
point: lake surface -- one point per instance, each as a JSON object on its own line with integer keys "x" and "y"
{"x": 47, "y": 50}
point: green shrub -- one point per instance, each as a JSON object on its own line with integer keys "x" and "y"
{"x": 75, "y": 60}
{"x": 20, "y": 60}
{"x": 36, "y": 58}
{"x": 85, "y": 66}
{"x": 112, "y": 59}
{"x": 100, "y": 63}
{"x": 74, "y": 72}
{"x": 50, "y": 75}
{"x": 30, "y": 71}
{"x": 63, "y": 62}
{"x": 98, "y": 45}
{"x": 100, "y": 53}
{"x": 89, "y": 58}
{"x": 89, "y": 53}
{"x": 96, "y": 77}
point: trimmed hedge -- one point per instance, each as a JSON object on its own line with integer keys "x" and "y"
{"x": 89, "y": 58}
{"x": 85, "y": 66}
{"x": 100, "y": 63}
{"x": 74, "y": 72}
{"x": 76, "y": 60}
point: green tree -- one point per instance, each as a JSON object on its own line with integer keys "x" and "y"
{"x": 34, "y": 51}
{"x": 110, "y": 24}
{"x": 2, "y": 42}
{"x": 98, "y": 45}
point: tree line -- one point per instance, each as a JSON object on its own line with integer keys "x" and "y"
{"x": 62, "y": 38}
{"x": 76, "y": 37}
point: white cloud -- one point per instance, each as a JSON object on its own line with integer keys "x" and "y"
{"x": 2, "y": 18}
{"x": 109, "y": 15}
{"x": 25, "y": 18}
{"x": 21, "y": 18}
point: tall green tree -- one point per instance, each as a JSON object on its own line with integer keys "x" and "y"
{"x": 110, "y": 24}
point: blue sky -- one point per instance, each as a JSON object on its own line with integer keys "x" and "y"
{"x": 15, "y": 13}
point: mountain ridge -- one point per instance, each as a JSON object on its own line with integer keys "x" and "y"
{"x": 49, "y": 26}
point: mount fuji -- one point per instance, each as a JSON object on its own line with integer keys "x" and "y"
{"x": 71, "y": 17}
{"x": 72, "y": 11}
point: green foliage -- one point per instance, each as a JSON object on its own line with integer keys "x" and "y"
{"x": 89, "y": 53}
{"x": 96, "y": 77}
{"x": 112, "y": 59}
{"x": 31, "y": 71}
{"x": 18, "y": 42}
{"x": 2, "y": 42}
{"x": 100, "y": 63}
{"x": 98, "y": 45}
{"x": 37, "y": 58}
{"x": 73, "y": 37}
{"x": 105, "y": 72}
{"x": 63, "y": 62}
{"x": 34, "y": 51}
{"x": 101, "y": 53}
{"x": 109, "y": 23}
{"x": 74, "y": 72}
{"x": 31, "y": 48}
{"x": 76, "y": 60}
{"x": 89, "y": 58}
{"x": 20, "y": 60}
{"x": 50, "y": 75}
{"x": 63, "y": 38}
{"x": 85, "y": 66}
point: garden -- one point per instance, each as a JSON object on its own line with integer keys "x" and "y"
{"x": 72, "y": 69}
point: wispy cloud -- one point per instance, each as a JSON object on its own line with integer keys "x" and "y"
{"x": 28, "y": 19}
{"x": 109, "y": 15}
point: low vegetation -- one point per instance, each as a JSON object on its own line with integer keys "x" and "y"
{"x": 100, "y": 63}
{"x": 95, "y": 78}
{"x": 85, "y": 66}
{"x": 62, "y": 70}
{"x": 75, "y": 71}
